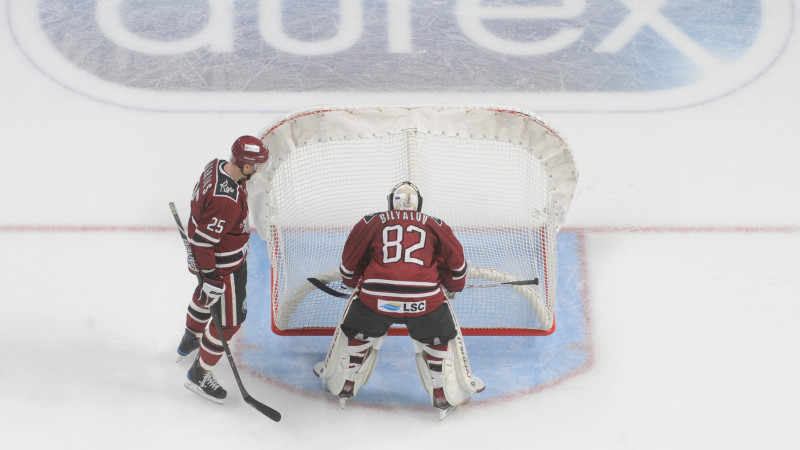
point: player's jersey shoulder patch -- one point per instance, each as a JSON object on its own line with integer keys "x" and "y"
{"x": 225, "y": 187}
{"x": 369, "y": 217}
{"x": 436, "y": 219}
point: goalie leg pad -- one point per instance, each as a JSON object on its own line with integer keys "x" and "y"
{"x": 350, "y": 360}
{"x": 446, "y": 367}
{"x": 422, "y": 365}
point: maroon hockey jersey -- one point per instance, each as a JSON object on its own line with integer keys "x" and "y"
{"x": 400, "y": 260}
{"x": 219, "y": 232}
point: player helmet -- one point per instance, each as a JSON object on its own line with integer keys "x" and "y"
{"x": 405, "y": 197}
{"x": 249, "y": 150}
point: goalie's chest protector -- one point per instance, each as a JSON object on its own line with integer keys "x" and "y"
{"x": 396, "y": 257}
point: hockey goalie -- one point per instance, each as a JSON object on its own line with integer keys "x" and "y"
{"x": 403, "y": 266}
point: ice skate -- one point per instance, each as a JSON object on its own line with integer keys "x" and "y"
{"x": 443, "y": 413}
{"x": 346, "y": 394}
{"x": 189, "y": 343}
{"x": 441, "y": 403}
{"x": 203, "y": 383}
{"x": 347, "y": 390}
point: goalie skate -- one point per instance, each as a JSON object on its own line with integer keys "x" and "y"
{"x": 348, "y": 364}
{"x": 346, "y": 394}
{"x": 440, "y": 403}
{"x": 446, "y": 375}
{"x": 444, "y": 413}
{"x": 347, "y": 390}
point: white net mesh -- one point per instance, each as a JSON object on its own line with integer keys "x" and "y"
{"x": 502, "y": 179}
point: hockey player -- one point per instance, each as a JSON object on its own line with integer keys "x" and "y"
{"x": 403, "y": 266}
{"x": 219, "y": 235}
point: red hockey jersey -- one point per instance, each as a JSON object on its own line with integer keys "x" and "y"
{"x": 219, "y": 232}
{"x": 400, "y": 260}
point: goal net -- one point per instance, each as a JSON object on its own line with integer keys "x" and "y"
{"x": 502, "y": 178}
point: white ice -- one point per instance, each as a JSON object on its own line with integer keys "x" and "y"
{"x": 692, "y": 226}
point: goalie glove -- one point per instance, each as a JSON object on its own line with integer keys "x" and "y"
{"x": 209, "y": 292}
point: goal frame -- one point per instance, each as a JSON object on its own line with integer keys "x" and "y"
{"x": 342, "y": 122}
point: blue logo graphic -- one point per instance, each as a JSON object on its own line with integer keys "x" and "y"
{"x": 391, "y": 307}
{"x": 242, "y": 55}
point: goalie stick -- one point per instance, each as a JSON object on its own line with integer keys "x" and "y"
{"x": 262, "y": 408}
{"x": 503, "y": 283}
{"x": 319, "y": 284}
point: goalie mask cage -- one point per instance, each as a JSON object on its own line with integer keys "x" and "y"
{"x": 502, "y": 178}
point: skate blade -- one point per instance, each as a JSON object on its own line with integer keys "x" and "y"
{"x": 342, "y": 402}
{"x": 196, "y": 389}
{"x": 443, "y": 413}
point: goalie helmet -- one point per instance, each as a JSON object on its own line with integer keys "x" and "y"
{"x": 405, "y": 197}
{"x": 249, "y": 150}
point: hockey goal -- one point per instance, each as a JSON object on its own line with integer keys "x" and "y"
{"x": 502, "y": 178}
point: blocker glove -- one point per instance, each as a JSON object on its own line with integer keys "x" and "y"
{"x": 209, "y": 292}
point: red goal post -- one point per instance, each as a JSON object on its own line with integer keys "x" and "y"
{"x": 501, "y": 177}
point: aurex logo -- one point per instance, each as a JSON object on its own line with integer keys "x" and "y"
{"x": 668, "y": 53}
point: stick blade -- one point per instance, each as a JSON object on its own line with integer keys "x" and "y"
{"x": 263, "y": 409}
{"x": 523, "y": 282}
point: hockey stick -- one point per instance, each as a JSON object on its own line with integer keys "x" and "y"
{"x": 262, "y": 408}
{"x": 504, "y": 283}
{"x": 319, "y": 284}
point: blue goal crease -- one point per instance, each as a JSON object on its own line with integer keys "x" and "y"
{"x": 509, "y": 365}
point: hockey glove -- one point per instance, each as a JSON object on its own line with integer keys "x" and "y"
{"x": 209, "y": 292}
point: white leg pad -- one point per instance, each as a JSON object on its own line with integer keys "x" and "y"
{"x": 456, "y": 378}
{"x": 422, "y": 366}
{"x": 362, "y": 374}
{"x": 336, "y": 369}
{"x": 463, "y": 370}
